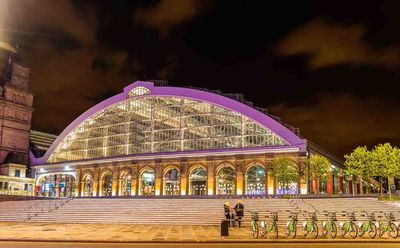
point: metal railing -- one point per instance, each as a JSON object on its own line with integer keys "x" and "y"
{"x": 48, "y": 206}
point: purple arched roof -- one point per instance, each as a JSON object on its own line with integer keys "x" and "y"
{"x": 245, "y": 110}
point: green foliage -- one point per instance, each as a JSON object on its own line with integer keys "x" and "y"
{"x": 387, "y": 160}
{"x": 319, "y": 169}
{"x": 360, "y": 163}
{"x": 285, "y": 170}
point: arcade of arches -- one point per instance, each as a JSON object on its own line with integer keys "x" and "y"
{"x": 215, "y": 177}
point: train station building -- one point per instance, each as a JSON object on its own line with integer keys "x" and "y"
{"x": 154, "y": 139}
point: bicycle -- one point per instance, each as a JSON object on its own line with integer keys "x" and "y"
{"x": 329, "y": 226}
{"x": 369, "y": 226}
{"x": 291, "y": 225}
{"x": 267, "y": 228}
{"x": 389, "y": 227}
{"x": 310, "y": 225}
{"x": 348, "y": 227}
{"x": 254, "y": 224}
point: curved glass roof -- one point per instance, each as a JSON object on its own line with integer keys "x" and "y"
{"x": 144, "y": 123}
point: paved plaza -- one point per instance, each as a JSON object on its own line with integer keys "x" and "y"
{"x": 138, "y": 233}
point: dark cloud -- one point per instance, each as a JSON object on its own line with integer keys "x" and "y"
{"x": 341, "y": 122}
{"x": 329, "y": 44}
{"x": 166, "y": 14}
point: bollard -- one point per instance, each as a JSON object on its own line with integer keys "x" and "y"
{"x": 224, "y": 228}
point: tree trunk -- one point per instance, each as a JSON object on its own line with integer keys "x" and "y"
{"x": 381, "y": 183}
{"x": 361, "y": 186}
{"x": 317, "y": 180}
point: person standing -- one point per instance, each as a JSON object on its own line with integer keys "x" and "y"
{"x": 227, "y": 210}
{"x": 239, "y": 210}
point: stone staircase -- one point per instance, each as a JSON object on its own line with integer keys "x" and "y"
{"x": 174, "y": 211}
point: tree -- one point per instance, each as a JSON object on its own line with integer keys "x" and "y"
{"x": 285, "y": 172}
{"x": 360, "y": 164}
{"x": 319, "y": 169}
{"x": 387, "y": 162}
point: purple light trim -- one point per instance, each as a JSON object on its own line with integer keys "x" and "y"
{"x": 194, "y": 94}
{"x": 197, "y": 153}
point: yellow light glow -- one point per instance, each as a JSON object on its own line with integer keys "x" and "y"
{"x": 210, "y": 192}
{"x": 239, "y": 191}
{"x": 270, "y": 190}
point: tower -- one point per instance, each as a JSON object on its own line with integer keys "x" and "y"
{"x": 15, "y": 111}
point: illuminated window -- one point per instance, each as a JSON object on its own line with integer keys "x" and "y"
{"x": 152, "y": 124}
{"x": 139, "y": 91}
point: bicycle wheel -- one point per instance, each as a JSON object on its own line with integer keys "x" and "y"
{"x": 263, "y": 230}
{"x": 314, "y": 230}
{"x": 333, "y": 231}
{"x": 361, "y": 230}
{"x": 353, "y": 230}
{"x": 324, "y": 230}
{"x": 393, "y": 231}
{"x": 275, "y": 228}
{"x": 379, "y": 231}
{"x": 342, "y": 231}
{"x": 255, "y": 230}
{"x": 372, "y": 231}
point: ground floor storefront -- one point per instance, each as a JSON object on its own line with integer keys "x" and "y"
{"x": 228, "y": 175}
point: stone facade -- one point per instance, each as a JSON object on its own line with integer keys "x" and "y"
{"x": 240, "y": 165}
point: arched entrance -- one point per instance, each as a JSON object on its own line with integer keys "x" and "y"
{"x": 147, "y": 182}
{"x": 125, "y": 184}
{"x": 106, "y": 180}
{"x": 87, "y": 185}
{"x": 57, "y": 185}
{"x": 171, "y": 182}
{"x": 255, "y": 180}
{"x": 198, "y": 181}
{"x": 225, "y": 180}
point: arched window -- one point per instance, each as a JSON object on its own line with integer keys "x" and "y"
{"x": 226, "y": 181}
{"x": 88, "y": 185}
{"x": 107, "y": 185}
{"x": 126, "y": 184}
{"x": 171, "y": 182}
{"x": 255, "y": 180}
{"x": 147, "y": 182}
{"x": 198, "y": 181}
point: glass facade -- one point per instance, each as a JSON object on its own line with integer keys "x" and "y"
{"x": 57, "y": 185}
{"x": 255, "y": 181}
{"x": 226, "y": 181}
{"x": 147, "y": 182}
{"x": 171, "y": 182}
{"x": 149, "y": 124}
{"x": 198, "y": 181}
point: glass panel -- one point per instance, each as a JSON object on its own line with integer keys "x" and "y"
{"x": 198, "y": 181}
{"x": 255, "y": 181}
{"x": 226, "y": 181}
{"x": 147, "y": 181}
{"x": 107, "y": 185}
{"x": 171, "y": 182}
{"x": 148, "y": 124}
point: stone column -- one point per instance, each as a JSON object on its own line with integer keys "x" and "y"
{"x": 330, "y": 184}
{"x": 78, "y": 183}
{"x": 96, "y": 191}
{"x": 239, "y": 178}
{"x": 81, "y": 188}
{"x": 134, "y": 181}
{"x": 115, "y": 181}
{"x": 301, "y": 181}
{"x": 340, "y": 183}
{"x": 183, "y": 183}
{"x": 158, "y": 182}
{"x": 210, "y": 178}
{"x": 269, "y": 182}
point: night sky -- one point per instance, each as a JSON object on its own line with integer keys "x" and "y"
{"x": 329, "y": 68}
